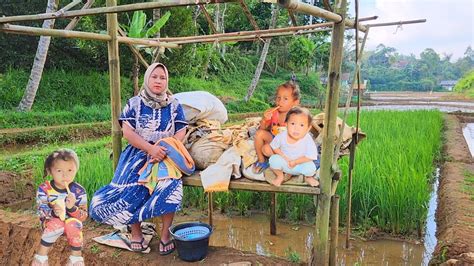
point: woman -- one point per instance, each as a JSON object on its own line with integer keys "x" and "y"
{"x": 147, "y": 118}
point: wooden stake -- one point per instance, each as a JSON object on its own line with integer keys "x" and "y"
{"x": 273, "y": 230}
{"x": 210, "y": 207}
{"x": 334, "y": 229}
{"x": 111, "y": 9}
{"x": 114, "y": 82}
{"x": 320, "y": 242}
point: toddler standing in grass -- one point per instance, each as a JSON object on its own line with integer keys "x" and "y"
{"x": 287, "y": 96}
{"x": 62, "y": 206}
{"x": 294, "y": 151}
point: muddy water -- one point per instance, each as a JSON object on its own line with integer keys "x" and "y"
{"x": 468, "y": 132}
{"x": 253, "y": 234}
{"x": 395, "y": 107}
{"x": 430, "y": 240}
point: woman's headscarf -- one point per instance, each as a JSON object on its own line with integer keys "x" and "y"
{"x": 149, "y": 98}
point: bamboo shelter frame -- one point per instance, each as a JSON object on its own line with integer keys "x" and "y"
{"x": 327, "y": 201}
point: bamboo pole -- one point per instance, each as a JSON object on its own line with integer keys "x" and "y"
{"x": 290, "y": 30}
{"x": 247, "y": 33}
{"x": 396, "y": 23}
{"x": 111, "y": 9}
{"x": 114, "y": 79}
{"x": 305, "y": 8}
{"x": 208, "y": 18}
{"x": 248, "y": 14}
{"x": 251, "y": 37}
{"x": 349, "y": 95}
{"x": 334, "y": 229}
{"x": 134, "y": 50}
{"x": 72, "y": 24}
{"x": 352, "y": 148}
{"x": 26, "y": 30}
{"x": 320, "y": 242}
{"x": 292, "y": 17}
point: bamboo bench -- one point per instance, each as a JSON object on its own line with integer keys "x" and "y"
{"x": 260, "y": 186}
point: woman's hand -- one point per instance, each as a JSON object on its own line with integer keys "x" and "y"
{"x": 157, "y": 153}
{"x": 70, "y": 200}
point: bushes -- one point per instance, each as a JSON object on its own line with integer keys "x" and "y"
{"x": 466, "y": 84}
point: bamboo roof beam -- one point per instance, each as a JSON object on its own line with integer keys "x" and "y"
{"x": 246, "y": 33}
{"x": 248, "y": 14}
{"x": 252, "y": 37}
{"x": 208, "y": 18}
{"x": 25, "y": 30}
{"x": 112, "y": 9}
{"x": 296, "y": 5}
{"x": 264, "y": 33}
{"x": 396, "y": 23}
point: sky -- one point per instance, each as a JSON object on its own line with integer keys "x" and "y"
{"x": 449, "y": 28}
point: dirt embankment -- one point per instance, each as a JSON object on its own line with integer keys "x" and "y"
{"x": 455, "y": 214}
{"x": 20, "y": 237}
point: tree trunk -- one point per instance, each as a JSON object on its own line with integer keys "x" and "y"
{"x": 222, "y": 30}
{"x": 37, "y": 70}
{"x": 276, "y": 64}
{"x": 263, "y": 56}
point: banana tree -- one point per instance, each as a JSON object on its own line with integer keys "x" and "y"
{"x": 139, "y": 27}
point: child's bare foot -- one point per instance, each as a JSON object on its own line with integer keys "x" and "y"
{"x": 75, "y": 261}
{"x": 278, "y": 180}
{"x": 311, "y": 181}
{"x": 39, "y": 261}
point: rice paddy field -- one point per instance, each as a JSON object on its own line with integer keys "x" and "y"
{"x": 391, "y": 184}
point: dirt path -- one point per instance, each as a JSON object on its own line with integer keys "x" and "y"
{"x": 20, "y": 237}
{"x": 455, "y": 214}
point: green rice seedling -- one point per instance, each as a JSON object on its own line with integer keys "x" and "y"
{"x": 393, "y": 169}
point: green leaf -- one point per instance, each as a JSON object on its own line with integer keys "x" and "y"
{"x": 137, "y": 25}
{"x": 158, "y": 25}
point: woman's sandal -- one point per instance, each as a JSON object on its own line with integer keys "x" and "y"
{"x": 164, "y": 245}
{"x": 142, "y": 248}
{"x": 259, "y": 167}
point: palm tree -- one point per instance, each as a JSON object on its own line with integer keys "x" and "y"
{"x": 263, "y": 57}
{"x": 38, "y": 64}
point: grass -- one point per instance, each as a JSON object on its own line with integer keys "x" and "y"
{"x": 468, "y": 184}
{"x": 88, "y": 95}
{"x": 391, "y": 185}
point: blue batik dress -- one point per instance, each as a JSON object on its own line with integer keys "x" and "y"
{"x": 124, "y": 201}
